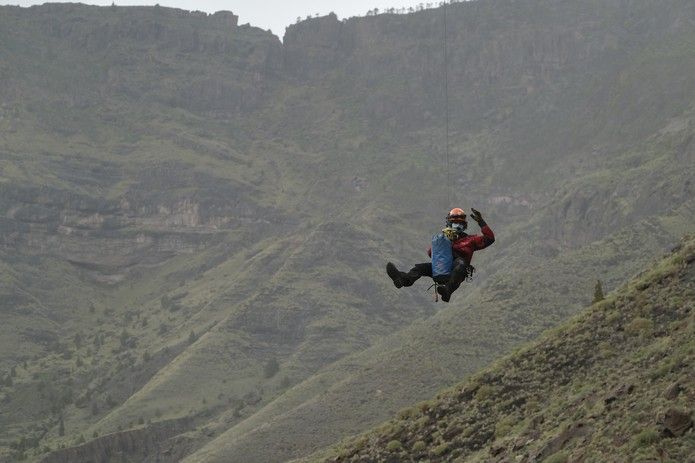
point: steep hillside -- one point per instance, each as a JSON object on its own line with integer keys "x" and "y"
{"x": 613, "y": 384}
{"x": 194, "y": 216}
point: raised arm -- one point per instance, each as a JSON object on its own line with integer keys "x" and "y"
{"x": 487, "y": 237}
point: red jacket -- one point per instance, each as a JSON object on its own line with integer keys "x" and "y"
{"x": 465, "y": 247}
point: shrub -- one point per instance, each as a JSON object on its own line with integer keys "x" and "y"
{"x": 440, "y": 449}
{"x": 408, "y": 413}
{"x": 285, "y": 382}
{"x": 394, "y": 446}
{"x": 125, "y": 336}
{"x": 598, "y": 292}
{"x": 640, "y": 327}
{"x": 419, "y": 446}
{"x": 668, "y": 366}
{"x": 484, "y": 392}
{"x": 559, "y": 457}
{"x": 503, "y": 426}
{"x": 271, "y": 368}
{"x": 646, "y": 437}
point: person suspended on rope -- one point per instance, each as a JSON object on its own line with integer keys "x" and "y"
{"x": 451, "y": 254}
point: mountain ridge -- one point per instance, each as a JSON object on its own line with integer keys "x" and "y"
{"x": 189, "y": 212}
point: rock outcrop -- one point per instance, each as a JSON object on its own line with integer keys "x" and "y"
{"x": 144, "y": 444}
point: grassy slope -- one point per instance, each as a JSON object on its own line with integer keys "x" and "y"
{"x": 407, "y": 366}
{"x": 591, "y": 390}
{"x": 297, "y": 162}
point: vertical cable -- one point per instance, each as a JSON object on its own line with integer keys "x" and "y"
{"x": 446, "y": 112}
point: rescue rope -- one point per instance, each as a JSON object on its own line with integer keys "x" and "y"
{"x": 446, "y": 110}
{"x": 435, "y": 285}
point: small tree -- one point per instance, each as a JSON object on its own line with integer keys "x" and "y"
{"x": 61, "y": 427}
{"x": 598, "y": 292}
{"x": 95, "y": 408}
{"x": 192, "y": 337}
{"x": 124, "y": 338}
{"x": 271, "y": 368}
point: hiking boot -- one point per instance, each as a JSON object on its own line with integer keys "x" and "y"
{"x": 396, "y": 275}
{"x": 444, "y": 292}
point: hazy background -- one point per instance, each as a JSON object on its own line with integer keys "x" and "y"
{"x": 275, "y": 15}
{"x": 195, "y": 220}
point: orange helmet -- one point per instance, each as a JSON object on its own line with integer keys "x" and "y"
{"x": 456, "y": 215}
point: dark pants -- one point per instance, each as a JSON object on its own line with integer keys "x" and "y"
{"x": 459, "y": 273}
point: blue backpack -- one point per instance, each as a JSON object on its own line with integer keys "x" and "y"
{"x": 442, "y": 255}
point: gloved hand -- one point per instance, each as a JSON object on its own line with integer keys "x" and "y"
{"x": 477, "y": 216}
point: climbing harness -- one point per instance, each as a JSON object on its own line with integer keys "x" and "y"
{"x": 450, "y": 233}
{"x": 435, "y": 285}
{"x": 438, "y": 281}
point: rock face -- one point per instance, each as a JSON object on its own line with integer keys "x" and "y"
{"x": 675, "y": 423}
{"x": 137, "y": 44}
{"x": 508, "y": 53}
{"x": 113, "y": 235}
{"x": 185, "y": 201}
{"x": 147, "y": 443}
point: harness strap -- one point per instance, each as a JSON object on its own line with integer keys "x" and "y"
{"x": 436, "y": 285}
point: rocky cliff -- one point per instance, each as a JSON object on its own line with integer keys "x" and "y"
{"x": 194, "y": 216}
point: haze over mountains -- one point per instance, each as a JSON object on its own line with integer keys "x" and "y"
{"x": 195, "y": 217}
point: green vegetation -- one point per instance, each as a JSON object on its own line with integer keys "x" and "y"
{"x": 271, "y": 368}
{"x": 559, "y": 457}
{"x": 394, "y": 446}
{"x": 598, "y": 292}
{"x": 646, "y": 438}
{"x": 591, "y": 406}
{"x": 194, "y": 216}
